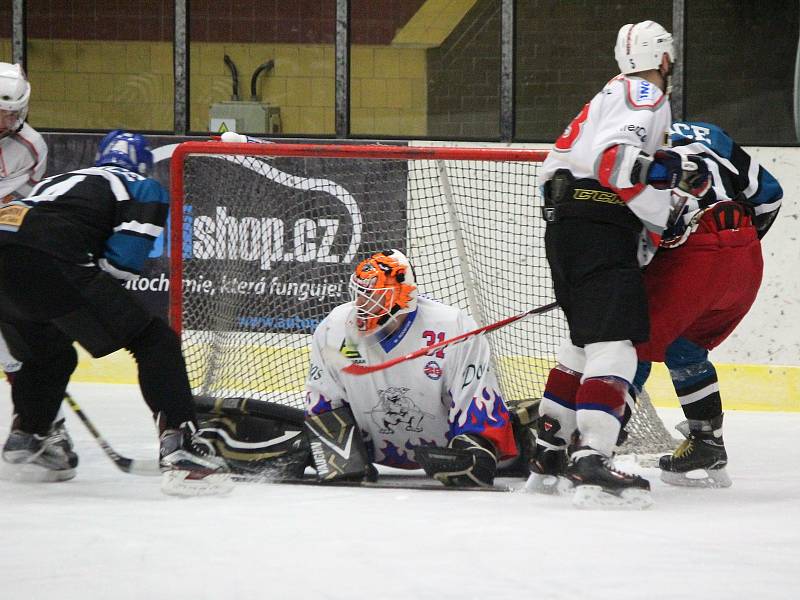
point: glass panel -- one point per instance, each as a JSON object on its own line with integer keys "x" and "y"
{"x": 5, "y": 31}
{"x": 740, "y": 63}
{"x": 565, "y": 54}
{"x": 425, "y": 68}
{"x": 280, "y": 49}
{"x": 95, "y": 64}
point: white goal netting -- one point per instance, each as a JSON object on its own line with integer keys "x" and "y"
{"x": 265, "y": 237}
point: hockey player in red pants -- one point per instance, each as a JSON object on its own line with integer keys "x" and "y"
{"x": 700, "y": 285}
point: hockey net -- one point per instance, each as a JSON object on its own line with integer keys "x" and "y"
{"x": 264, "y": 238}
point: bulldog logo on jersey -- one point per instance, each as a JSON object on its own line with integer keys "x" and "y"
{"x": 396, "y": 409}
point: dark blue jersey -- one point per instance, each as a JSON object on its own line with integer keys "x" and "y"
{"x": 106, "y": 216}
{"x": 737, "y": 175}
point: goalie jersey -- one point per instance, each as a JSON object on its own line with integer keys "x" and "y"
{"x": 425, "y": 401}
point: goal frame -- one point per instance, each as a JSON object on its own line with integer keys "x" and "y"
{"x": 344, "y": 150}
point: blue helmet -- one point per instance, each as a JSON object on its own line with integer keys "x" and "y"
{"x": 127, "y": 150}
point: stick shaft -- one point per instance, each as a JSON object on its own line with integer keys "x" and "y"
{"x": 354, "y": 369}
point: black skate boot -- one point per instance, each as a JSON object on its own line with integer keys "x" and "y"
{"x": 700, "y": 459}
{"x": 548, "y": 460}
{"x": 34, "y": 457}
{"x": 189, "y": 464}
{"x": 599, "y": 485}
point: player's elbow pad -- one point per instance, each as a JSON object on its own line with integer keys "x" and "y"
{"x": 618, "y": 167}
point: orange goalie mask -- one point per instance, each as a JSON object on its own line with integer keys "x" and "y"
{"x": 382, "y": 288}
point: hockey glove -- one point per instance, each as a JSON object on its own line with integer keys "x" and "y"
{"x": 468, "y": 461}
{"x": 695, "y": 178}
{"x": 337, "y": 448}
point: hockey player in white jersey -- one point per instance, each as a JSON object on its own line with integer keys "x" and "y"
{"x": 23, "y": 157}
{"x": 607, "y": 198}
{"x": 448, "y": 403}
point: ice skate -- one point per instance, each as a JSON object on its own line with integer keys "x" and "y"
{"x": 700, "y": 459}
{"x": 599, "y": 485}
{"x": 32, "y": 457}
{"x": 190, "y": 466}
{"x": 548, "y": 461}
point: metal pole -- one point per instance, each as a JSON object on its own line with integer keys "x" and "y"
{"x": 678, "y": 97}
{"x": 180, "y": 53}
{"x": 342, "y": 82}
{"x": 507, "y": 47}
{"x": 18, "y": 50}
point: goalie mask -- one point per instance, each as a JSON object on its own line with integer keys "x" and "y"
{"x": 382, "y": 288}
{"x": 15, "y": 92}
{"x": 127, "y": 150}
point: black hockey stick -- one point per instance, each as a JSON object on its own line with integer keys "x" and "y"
{"x": 401, "y": 483}
{"x": 127, "y": 465}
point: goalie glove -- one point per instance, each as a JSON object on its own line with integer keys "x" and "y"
{"x": 468, "y": 461}
{"x": 337, "y": 448}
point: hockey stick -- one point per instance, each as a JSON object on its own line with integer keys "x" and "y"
{"x": 355, "y": 369}
{"x": 401, "y": 483}
{"x": 127, "y": 465}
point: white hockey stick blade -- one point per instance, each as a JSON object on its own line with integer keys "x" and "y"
{"x": 148, "y": 468}
{"x": 699, "y": 478}
{"x": 550, "y": 485}
{"x": 176, "y": 482}
{"x": 593, "y": 497}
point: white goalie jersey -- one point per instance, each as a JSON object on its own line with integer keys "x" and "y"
{"x": 425, "y": 401}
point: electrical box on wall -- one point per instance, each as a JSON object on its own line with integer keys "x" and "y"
{"x": 245, "y": 116}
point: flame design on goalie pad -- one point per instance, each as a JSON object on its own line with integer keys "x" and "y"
{"x": 382, "y": 288}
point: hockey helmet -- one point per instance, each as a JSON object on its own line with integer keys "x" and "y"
{"x": 640, "y": 47}
{"x": 127, "y": 150}
{"x": 15, "y": 92}
{"x": 382, "y": 288}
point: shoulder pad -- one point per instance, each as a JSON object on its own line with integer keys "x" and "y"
{"x": 640, "y": 93}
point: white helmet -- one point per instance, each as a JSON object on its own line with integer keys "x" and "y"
{"x": 640, "y": 47}
{"x": 15, "y": 91}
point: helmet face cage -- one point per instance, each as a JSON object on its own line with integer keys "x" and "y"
{"x": 640, "y": 47}
{"x": 382, "y": 288}
{"x": 127, "y": 150}
{"x": 15, "y": 92}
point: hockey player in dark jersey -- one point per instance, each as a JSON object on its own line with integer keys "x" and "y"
{"x": 700, "y": 285}
{"x": 64, "y": 251}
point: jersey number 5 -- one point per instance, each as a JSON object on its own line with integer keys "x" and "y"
{"x": 433, "y": 337}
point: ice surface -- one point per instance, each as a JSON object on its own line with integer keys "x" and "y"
{"x": 112, "y": 536}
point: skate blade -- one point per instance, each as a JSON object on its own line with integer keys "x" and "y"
{"x": 33, "y": 473}
{"x": 550, "y": 485}
{"x": 176, "y": 482}
{"x": 594, "y": 497}
{"x": 699, "y": 478}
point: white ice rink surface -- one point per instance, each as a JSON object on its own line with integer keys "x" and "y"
{"x": 112, "y": 536}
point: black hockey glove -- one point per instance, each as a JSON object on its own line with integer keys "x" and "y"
{"x": 468, "y": 461}
{"x": 695, "y": 181}
{"x": 667, "y": 169}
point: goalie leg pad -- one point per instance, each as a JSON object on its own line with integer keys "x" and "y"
{"x": 338, "y": 451}
{"x": 468, "y": 461}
